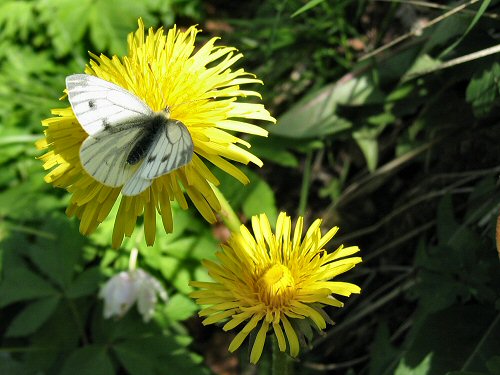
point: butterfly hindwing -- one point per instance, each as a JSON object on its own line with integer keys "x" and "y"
{"x": 99, "y": 104}
{"x": 136, "y": 185}
{"x": 171, "y": 149}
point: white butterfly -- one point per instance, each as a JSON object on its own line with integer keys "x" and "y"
{"x": 129, "y": 144}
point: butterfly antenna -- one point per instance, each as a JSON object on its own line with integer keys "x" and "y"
{"x": 153, "y": 74}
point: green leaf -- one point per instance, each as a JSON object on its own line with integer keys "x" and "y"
{"x": 309, "y": 5}
{"x": 437, "y": 291}
{"x": 422, "y": 64}
{"x": 105, "y": 331}
{"x": 63, "y": 330}
{"x": 458, "y": 336}
{"x": 462, "y": 239}
{"x": 25, "y": 201}
{"x": 89, "y": 360}
{"x": 422, "y": 368}
{"x": 32, "y": 317}
{"x": 198, "y": 246}
{"x": 444, "y": 31}
{"x": 382, "y": 353}
{"x": 315, "y": 115}
{"x": 260, "y": 200}
{"x": 58, "y": 256}
{"x": 86, "y": 283}
{"x": 475, "y": 19}
{"x": 177, "y": 272}
{"x": 20, "y": 283}
{"x": 274, "y": 150}
{"x": 484, "y": 89}
{"x": 180, "y": 307}
{"x": 68, "y": 22}
{"x": 493, "y": 365}
{"x": 366, "y": 138}
{"x": 257, "y": 197}
{"x": 37, "y": 81}
{"x": 10, "y": 366}
{"x": 382, "y": 175}
{"x": 139, "y": 357}
{"x": 447, "y": 225}
{"x": 152, "y": 355}
{"x": 109, "y": 28}
{"x": 484, "y": 190}
{"x": 16, "y": 18}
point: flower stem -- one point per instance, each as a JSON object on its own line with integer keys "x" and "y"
{"x": 227, "y": 213}
{"x": 306, "y": 183}
{"x": 281, "y": 363}
{"x": 132, "y": 261}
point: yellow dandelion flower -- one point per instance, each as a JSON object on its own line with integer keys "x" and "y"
{"x": 200, "y": 89}
{"x": 276, "y": 280}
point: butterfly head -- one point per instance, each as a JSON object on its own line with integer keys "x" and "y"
{"x": 165, "y": 113}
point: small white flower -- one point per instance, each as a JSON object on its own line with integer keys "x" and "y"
{"x": 125, "y": 288}
{"x": 147, "y": 288}
{"x": 119, "y": 295}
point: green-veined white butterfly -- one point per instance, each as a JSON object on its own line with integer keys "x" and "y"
{"x": 129, "y": 144}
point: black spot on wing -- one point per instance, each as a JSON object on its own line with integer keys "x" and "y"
{"x": 91, "y": 104}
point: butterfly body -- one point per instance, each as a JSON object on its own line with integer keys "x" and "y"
{"x": 129, "y": 144}
{"x": 151, "y": 128}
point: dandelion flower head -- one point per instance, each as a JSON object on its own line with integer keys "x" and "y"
{"x": 201, "y": 90}
{"x": 275, "y": 282}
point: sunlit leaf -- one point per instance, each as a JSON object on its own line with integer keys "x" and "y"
{"x": 180, "y": 307}
{"x": 309, "y": 5}
{"x": 315, "y": 115}
{"x": 16, "y": 18}
{"x": 484, "y": 90}
{"x": 260, "y": 200}
{"x": 68, "y": 22}
{"x": 366, "y": 139}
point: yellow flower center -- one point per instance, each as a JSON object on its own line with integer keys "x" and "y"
{"x": 276, "y": 286}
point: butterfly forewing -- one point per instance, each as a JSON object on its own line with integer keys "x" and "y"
{"x": 99, "y": 104}
{"x": 104, "y": 156}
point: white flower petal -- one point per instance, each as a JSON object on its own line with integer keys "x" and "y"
{"x": 119, "y": 294}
